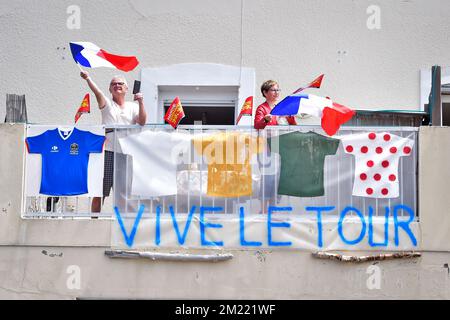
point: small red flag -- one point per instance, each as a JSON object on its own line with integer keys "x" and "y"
{"x": 316, "y": 83}
{"x": 84, "y": 108}
{"x": 175, "y": 113}
{"x": 246, "y": 109}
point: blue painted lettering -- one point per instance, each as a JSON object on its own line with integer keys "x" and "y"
{"x": 242, "y": 231}
{"x": 204, "y": 226}
{"x": 129, "y": 239}
{"x": 319, "y": 221}
{"x": 181, "y": 238}
{"x": 271, "y": 225}
{"x": 403, "y": 224}
{"x": 158, "y": 226}
{"x": 386, "y": 228}
{"x": 363, "y": 225}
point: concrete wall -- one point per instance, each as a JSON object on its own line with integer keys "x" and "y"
{"x": 434, "y": 185}
{"x": 292, "y": 41}
{"x": 39, "y": 258}
{"x": 43, "y": 273}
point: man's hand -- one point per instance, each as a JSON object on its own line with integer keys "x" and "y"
{"x": 138, "y": 97}
{"x": 142, "y": 117}
{"x": 84, "y": 75}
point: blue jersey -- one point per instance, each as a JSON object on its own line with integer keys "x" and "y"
{"x": 65, "y": 158}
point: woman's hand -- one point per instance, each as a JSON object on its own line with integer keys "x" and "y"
{"x": 268, "y": 118}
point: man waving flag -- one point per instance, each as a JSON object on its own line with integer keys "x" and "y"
{"x": 331, "y": 113}
{"x": 90, "y": 55}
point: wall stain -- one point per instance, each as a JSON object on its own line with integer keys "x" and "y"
{"x": 51, "y": 254}
{"x": 260, "y": 256}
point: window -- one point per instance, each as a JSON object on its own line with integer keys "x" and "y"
{"x": 204, "y": 85}
{"x": 210, "y": 105}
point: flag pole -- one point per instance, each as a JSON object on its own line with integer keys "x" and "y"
{"x": 302, "y": 88}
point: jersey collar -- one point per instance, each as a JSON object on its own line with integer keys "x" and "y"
{"x": 60, "y": 129}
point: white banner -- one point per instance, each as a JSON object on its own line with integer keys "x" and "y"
{"x": 282, "y": 227}
{"x": 278, "y": 188}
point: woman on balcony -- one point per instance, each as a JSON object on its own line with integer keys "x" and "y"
{"x": 270, "y": 90}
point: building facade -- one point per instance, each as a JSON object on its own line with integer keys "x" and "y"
{"x": 214, "y": 55}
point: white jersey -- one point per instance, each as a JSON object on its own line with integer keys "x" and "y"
{"x": 376, "y": 162}
{"x": 155, "y": 158}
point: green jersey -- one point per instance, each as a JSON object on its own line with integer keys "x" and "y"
{"x": 302, "y": 161}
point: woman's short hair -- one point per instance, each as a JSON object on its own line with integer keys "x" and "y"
{"x": 267, "y": 85}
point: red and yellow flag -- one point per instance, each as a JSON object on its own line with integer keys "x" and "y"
{"x": 84, "y": 108}
{"x": 175, "y": 113}
{"x": 246, "y": 109}
{"x": 316, "y": 83}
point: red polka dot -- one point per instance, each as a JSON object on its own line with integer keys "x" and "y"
{"x": 363, "y": 176}
{"x": 370, "y": 163}
{"x": 372, "y": 136}
{"x": 385, "y": 164}
{"x": 379, "y": 150}
{"x": 369, "y": 190}
{"x": 349, "y": 148}
{"x": 384, "y": 191}
{"x": 393, "y": 150}
{"x": 392, "y": 177}
{"x": 407, "y": 150}
{"x": 364, "y": 149}
{"x": 387, "y": 137}
{"x": 377, "y": 177}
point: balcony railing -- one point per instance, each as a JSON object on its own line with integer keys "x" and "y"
{"x": 246, "y": 174}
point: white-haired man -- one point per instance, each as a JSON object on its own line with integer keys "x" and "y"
{"x": 114, "y": 111}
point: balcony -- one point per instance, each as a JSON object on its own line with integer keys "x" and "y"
{"x": 199, "y": 155}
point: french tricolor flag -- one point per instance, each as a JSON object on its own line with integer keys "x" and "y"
{"x": 89, "y": 55}
{"x": 332, "y": 114}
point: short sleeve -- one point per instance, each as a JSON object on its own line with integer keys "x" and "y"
{"x": 180, "y": 145}
{"x": 257, "y": 145}
{"x": 275, "y": 142}
{"x": 200, "y": 143}
{"x": 331, "y": 145}
{"x": 406, "y": 147}
{"x": 182, "y": 141}
{"x": 346, "y": 142}
{"x": 37, "y": 143}
{"x": 351, "y": 142}
{"x": 94, "y": 142}
{"x": 106, "y": 110}
{"x": 125, "y": 144}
